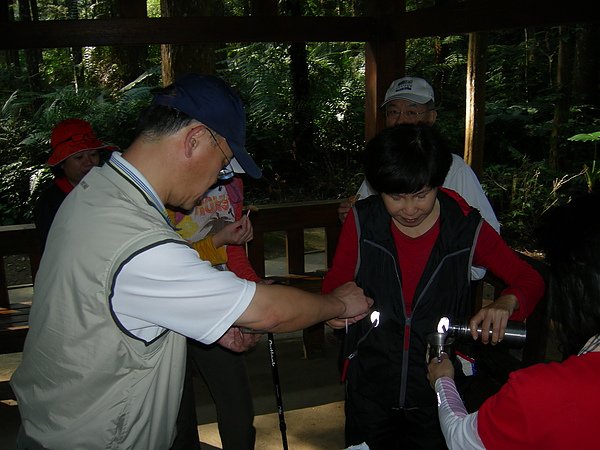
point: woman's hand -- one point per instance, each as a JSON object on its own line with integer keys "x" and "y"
{"x": 439, "y": 368}
{"x": 234, "y": 233}
{"x": 494, "y": 317}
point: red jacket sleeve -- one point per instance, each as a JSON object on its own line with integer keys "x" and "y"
{"x": 344, "y": 260}
{"x": 237, "y": 259}
{"x": 521, "y": 279}
{"x": 492, "y": 252}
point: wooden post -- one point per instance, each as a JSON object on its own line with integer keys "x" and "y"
{"x": 255, "y": 250}
{"x": 385, "y": 60}
{"x": 475, "y": 103}
{"x": 295, "y": 250}
{"x": 4, "y": 11}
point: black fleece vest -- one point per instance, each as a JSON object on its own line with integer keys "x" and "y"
{"x": 390, "y": 364}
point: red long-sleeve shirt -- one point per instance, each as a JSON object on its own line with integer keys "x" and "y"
{"x": 237, "y": 259}
{"x": 491, "y": 252}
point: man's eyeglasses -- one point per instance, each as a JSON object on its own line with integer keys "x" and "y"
{"x": 409, "y": 114}
{"x": 227, "y": 171}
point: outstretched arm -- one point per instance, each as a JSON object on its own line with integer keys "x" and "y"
{"x": 278, "y": 308}
{"x": 459, "y": 428}
{"x": 525, "y": 286}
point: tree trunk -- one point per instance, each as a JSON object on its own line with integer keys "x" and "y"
{"x": 13, "y": 63}
{"x": 587, "y": 65}
{"x": 385, "y": 61}
{"x": 530, "y": 50}
{"x": 475, "y": 103}
{"x": 131, "y": 60}
{"x": 303, "y": 126}
{"x": 564, "y": 76}
{"x": 441, "y": 52}
{"x": 76, "y": 52}
{"x": 33, "y": 56}
{"x": 180, "y": 59}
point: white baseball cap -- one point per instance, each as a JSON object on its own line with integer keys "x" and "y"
{"x": 409, "y": 88}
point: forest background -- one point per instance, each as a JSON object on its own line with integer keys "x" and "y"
{"x": 305, "y": 104}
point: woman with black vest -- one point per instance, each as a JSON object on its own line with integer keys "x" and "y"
{"x": 411, "y": 248}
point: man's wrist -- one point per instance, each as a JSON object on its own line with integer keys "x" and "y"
{"x": 341, "y": 303}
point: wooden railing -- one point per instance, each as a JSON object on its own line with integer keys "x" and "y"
{"x": 16, "y": 240}
{"x": 292, "y": 219}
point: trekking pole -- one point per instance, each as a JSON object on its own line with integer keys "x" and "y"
{"x": 277, "y": 386}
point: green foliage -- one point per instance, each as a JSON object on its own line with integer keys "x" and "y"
{"x": 25, "y": 127}
{"x": 18, "y": 163}
{"x": 336, "y": 74}
{"x": 591, "y": 173}
{"x": 520, "y": 102}
{"x": 586, "y": 137}
{"x": 520, "y": 192}
{"x": 153, "y": 8}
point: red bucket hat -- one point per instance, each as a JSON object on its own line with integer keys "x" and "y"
{"x": 72, "y": 136}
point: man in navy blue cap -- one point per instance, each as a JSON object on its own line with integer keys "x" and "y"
{"x": 118, "y": 290}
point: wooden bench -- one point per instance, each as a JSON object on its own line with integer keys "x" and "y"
{"x": 16, "y": 240}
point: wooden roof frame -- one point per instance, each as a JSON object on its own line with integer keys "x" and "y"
{"x": 384, "y": 31}
{"x": 450, "y": 19}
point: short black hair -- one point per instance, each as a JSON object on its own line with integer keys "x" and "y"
{"x": 158, "y": 120}
{"x": 406, "y": 158}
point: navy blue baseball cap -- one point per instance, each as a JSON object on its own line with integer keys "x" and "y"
{"x": 210, "y": 100}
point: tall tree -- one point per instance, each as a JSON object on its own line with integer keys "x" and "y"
{"x": 180, "y": 59}
{"x": 76, "y": 52}
{"x": 564, "y": 76}
{"x": 475, "y": 114}
{"x": 11, "y": 57}
{"x": 28, "y": 11}
{"x": 587, "y": 71}
{"x": 131, "y": 59}
{"x": 302, "y": 115}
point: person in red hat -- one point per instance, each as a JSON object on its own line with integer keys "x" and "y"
{"x": 75, "y": 151}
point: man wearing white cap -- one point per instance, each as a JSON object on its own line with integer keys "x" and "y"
{"x": 118, "y": 290}
{"x": 410, "y": 100}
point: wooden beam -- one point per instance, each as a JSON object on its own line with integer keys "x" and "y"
{"x": 188, "y": 30}
{"x": 443, "y": 20}
{"x": 491, "y": 15}
{"x": 385, "y": 60}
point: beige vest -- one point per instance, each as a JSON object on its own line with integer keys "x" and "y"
{"x": 84, "y": 382}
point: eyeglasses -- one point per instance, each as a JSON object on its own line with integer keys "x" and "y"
{"x": 227, "y": 171}
{"x": 409, "y": 114}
